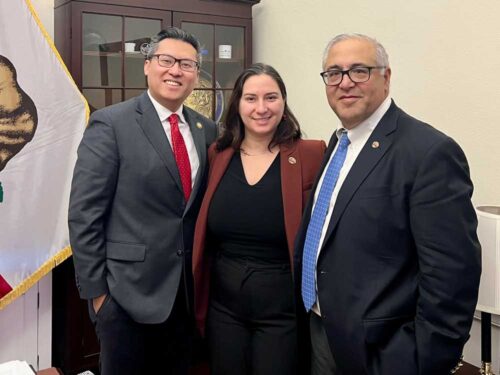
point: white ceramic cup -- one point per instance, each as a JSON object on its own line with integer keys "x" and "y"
{"x": 129, "y": 47}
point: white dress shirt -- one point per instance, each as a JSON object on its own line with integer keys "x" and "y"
{"x": 358, "y": 137}
{"x": 164, "y": 114}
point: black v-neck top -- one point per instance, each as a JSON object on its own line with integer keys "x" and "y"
{"x": 245, "y": 220}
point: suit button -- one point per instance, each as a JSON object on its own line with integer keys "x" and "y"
{"x": 322, "y": 272}
{"x": 180, "y": 252}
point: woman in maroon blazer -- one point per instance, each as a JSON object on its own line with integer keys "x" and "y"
{"x": 261, "y": 172}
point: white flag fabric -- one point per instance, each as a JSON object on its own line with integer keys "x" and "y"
{"x": 42, "y": 119}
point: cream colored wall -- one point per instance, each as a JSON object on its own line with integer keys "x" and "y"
{"x": 445, "y": 58}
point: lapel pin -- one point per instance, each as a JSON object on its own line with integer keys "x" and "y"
{"x": 292, "y": 160}
{"x": 375, "y": 144}
{"x": 199, "y": 125}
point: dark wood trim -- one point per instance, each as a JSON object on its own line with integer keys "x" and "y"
{"x": 222, "y": 8}
{"x": 78, "y": 351}
{"x": 62, "y": 32}
{"x": 468, "y": 369}
{"x": 253, "y": 2}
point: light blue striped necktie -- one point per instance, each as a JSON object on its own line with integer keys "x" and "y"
{"x": 317, "y": 221}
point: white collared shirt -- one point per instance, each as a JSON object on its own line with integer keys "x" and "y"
{"x": 358, "y": 137}
{"x": 164, "y": 114}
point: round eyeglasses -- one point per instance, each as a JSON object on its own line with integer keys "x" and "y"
{"x": 167, "y": 61}
{"x": 358, "y": 74}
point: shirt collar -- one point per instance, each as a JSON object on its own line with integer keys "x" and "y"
{"x": 164, "y": 113}
{"x": 366, "y": 127}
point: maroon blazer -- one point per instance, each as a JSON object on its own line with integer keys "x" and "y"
{"x": 299, "y": 163}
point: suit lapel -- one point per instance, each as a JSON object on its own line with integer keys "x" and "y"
{"x": 368, "y": 158}
{"x": 291, "y": 187}
{"x": 198, "y": 131}
{"x": 324, "y": 162}
{"x": 301, "y": 235}
{"x": 153, "y": 129}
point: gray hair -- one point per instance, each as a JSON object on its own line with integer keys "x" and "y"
{"x": 149, "y": 49}
{"x": 381, "y": 55}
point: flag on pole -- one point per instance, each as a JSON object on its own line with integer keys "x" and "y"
{"x": 42, "y": 118}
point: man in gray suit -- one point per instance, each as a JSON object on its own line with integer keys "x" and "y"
{"x": 136, "y": 191}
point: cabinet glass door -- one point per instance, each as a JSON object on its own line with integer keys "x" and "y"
{"x": 112, "y": 65}
{"x": 223, "y": 59}
{"x": 230, "y": 57}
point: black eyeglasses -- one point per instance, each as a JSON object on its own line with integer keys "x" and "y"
{"x": 358, "y": 74}
{"x": 168, "y": 61}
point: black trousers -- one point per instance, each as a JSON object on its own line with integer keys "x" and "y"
{"x": 251, "y": 322}
{"x": 131, "y": 348}
{"x": 322, "y": 361}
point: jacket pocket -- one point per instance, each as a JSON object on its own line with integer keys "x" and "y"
{"x": 377, "y": 192}
{"x": 378, "y": 331}
{"x": 125, "y": 251}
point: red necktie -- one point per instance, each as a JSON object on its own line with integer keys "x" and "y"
{"x": 181, "y": 155}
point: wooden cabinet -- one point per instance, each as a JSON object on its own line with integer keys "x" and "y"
{"x": 99, "y": 40}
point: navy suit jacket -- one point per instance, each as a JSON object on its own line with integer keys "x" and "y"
{"x": 398, "y": 272}
{"x": 130, "y": 228}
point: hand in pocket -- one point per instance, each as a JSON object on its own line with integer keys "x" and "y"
{"x": 97, "y": 302}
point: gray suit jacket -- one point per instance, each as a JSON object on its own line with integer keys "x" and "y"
{"x": 130, "y": 229}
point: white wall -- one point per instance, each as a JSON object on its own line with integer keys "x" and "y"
{"x": 445, "y": 70}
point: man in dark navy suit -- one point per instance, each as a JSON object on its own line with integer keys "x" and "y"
{"x": 387, "y": 258}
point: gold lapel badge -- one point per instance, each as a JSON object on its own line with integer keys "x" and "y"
{"x": 199, "y": 125}
{"x": 375, "y": 144}
{"x": 292, "y": 160}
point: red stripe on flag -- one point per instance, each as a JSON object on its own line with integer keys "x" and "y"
{"x": 5, "y": 288}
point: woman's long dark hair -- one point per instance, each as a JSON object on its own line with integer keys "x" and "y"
{"x": 233, "y": 130}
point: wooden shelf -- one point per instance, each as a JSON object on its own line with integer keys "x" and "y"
{"x": 135, "y": 54}
{"x": 101, "y": 53}
{"x": 224, "y": 61}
